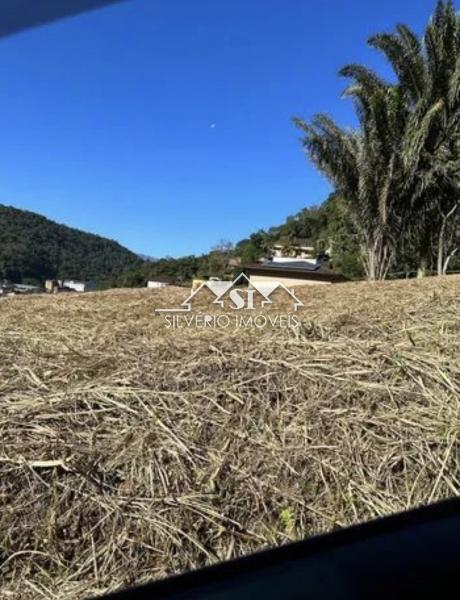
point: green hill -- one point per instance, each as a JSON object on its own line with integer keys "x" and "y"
{"x": 33, "y": 248}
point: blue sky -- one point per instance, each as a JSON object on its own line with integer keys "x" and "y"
{"x": 166, "y": 125}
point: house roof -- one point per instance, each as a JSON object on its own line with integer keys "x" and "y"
{"x": 300, "y": 270}
{"x": 304, "y": 265}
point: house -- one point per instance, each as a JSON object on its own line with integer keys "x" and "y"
{"x": 55, "y": 286}
{"x": 20, "y": 288}
{"x": 152, "y": 285}
{"x": 12, "y": 289}
{"x": 6, "y": 288}
{"x": 293, "y": 273}
{"x": 78, "y": 286}
{"x": 299, "y": 250}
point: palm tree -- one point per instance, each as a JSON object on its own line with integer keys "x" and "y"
{"x": 400, "y": 171}
{"x": 364, "y": 165}
{"x": 428, "y": 72}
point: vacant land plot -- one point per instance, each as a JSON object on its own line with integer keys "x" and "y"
{"x": 130, "y": 451}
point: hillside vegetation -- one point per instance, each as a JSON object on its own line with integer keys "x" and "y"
{"x": 328, "y": 226}
{"x": 129, "y": 451}
{"x": 33, "y": 248}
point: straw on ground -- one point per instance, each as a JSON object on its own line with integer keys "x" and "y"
{"x": 129, "y": 451}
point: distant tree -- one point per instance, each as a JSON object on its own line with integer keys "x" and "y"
{"x": 217, "y": 263}
{"x": 258, "y": 245}
{"x": 340, "y": 238}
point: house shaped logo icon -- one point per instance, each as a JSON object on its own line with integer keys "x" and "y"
{"x": 239, "y": 294}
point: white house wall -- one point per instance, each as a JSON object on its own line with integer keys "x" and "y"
{"x": 261, "y": 280}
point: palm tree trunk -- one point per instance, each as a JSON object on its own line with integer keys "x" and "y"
{"x": 424, "y": 255}
{"x": 447, "y": 261}
{"x": 442, "y": 263}
{"x": 378, "y": 258}
{"x": 370, "y": 260}
{"x": 422, "y": 267}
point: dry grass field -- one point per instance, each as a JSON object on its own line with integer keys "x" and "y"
{"x": 129, "y": 451}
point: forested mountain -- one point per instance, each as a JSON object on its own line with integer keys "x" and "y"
{"x": 33, "y": 248}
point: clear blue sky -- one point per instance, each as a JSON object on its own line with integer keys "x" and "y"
{"x": 166, "y": 125}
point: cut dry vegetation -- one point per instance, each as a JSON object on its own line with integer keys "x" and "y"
{"x": 129, "y": 451}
